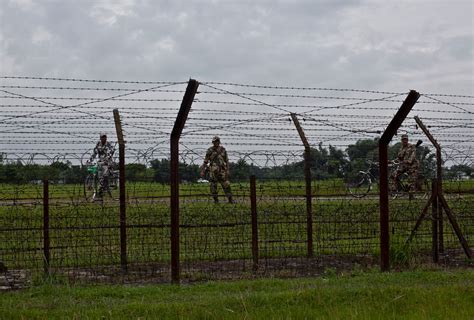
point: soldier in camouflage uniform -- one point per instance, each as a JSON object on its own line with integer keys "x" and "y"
{"x": 217, "y": 162}
{"x": 104, "y": 151}
{"x": 408, "y": 163}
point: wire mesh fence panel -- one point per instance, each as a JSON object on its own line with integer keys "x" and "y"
{"x": 148, "y": 231}
{"x": 84, "y": 236}
{"x": 347, "y": 226}
{"x": 215, "y": 236}
{"x": 282, "y": 226}
{"x": 460, "y": 199}
{"x": 21, "y": 221}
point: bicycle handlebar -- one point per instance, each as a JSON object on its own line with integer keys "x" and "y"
{"x": 370, "y": 162}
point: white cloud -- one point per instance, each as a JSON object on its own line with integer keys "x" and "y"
{"x": 166, "y": 44}
{"x": 182, "y": 20}
{"x": 107, "y": 12}
{"x": 22, "y": 4}
{"x": 40, "y": 35}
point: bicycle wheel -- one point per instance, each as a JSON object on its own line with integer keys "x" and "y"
{"x": 401, "y": 188}
{"x": 360, "y": 186}
{"x": 425, "y": 189}
{"x": 112, "y": 185}
{"x": 394, "y": 192}
{"x": 90, "y": 187}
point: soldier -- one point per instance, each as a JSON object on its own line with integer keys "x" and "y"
{"x": 104, "y": 151}
{"x": 217, "y": 162}
{"x": 408, "y": 163}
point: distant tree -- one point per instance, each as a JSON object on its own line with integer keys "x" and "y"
{"x": 135, "y": 172}
{"x": 9, "y": 173}
{"x": 161, "y": 170}
{"x": 189, "y": 172}
{"x": 75, "y": 174}
{"x": 327, "y": 163}
{"x": 319, "y": 162}
{"x": 460, "y": 170}
{"x": 57, "y": 171}
{"x": 363, "y": 149}
{"x": 241, "y": 170}
{"x": 358, "y": 154}
{"x": 31, "y": 172}
{"x": 337, "y": 162}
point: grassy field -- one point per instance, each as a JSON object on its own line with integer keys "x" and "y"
{"x": 373, "y": 295}
{"x": 87, "y": 235}
{"x": 150, "y": 189}
{"x": 335, "y": 187}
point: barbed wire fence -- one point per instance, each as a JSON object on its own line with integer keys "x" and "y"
{"x": 50, "y": 120}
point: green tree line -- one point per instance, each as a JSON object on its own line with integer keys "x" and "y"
{"x": 325, "y": 163}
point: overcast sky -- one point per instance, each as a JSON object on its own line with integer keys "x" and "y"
{"x": 426, "y": 45}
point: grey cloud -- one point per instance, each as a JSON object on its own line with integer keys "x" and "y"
{"x": 333, "y": 43}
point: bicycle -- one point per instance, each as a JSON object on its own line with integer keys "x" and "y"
{"x": 91, "y": 182}
{"x": 362, "y": 184}
{"x": 403, "y": 186}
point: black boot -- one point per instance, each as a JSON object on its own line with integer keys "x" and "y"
{"x": 216, "y": 199}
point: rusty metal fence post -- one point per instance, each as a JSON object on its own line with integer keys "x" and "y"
{"x": 439, "y": 188}
{"x": 442, "y": 203}
{"x": 123, "y": 208}
{"x": 253, "y": 208}
{"x": 307, "y": 175}
{"x": 440, "y": 228}
{"x": 434, "y": 223}
{"x": 385, "y": 139}
{"x": 46, "y": 242}
{"x": 181, "y": 118}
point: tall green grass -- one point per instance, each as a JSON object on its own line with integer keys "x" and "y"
{"x": 334, "y": 187}
{"x": 88, "y": 235}
{"x": 407, "y": 295}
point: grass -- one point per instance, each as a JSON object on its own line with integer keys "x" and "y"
{"x": 334, "y": 187}
{"x": 86, "y": 234}
{"x": 372, "y": 295}
{"x": 152, "y": 189}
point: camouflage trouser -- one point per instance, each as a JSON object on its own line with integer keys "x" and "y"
{"x": 103, "y": 173}
{"x": 219, "y": 177}
{"x": 412, "y": 172}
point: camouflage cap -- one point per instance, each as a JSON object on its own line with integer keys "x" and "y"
{"x": 216, "y": 138}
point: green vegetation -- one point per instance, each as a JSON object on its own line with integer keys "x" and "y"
{"x": 373, "y": 295}
{"x": 326, "y": 163}
{"x": 87, "y": 234}
{"x": 320, "y": 188}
